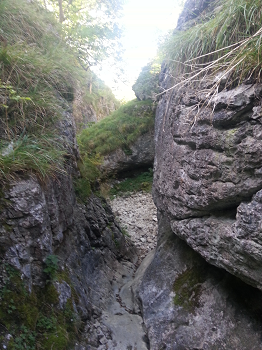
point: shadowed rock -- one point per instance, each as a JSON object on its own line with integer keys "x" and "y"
{"x": 189, "y": 304}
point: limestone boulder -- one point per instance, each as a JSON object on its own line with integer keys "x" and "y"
{"x": 190, "y": 304}
{"x": 139, "y": 155}
{"x": 208, "y": 174}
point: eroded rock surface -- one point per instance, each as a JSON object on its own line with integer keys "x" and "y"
{"x": 38, "y": 222}
{"x": 207, "y": 170}
{"x": 42, "y": 220}
{"x": 189, "y": 304}
{"x": 140, "y": 154}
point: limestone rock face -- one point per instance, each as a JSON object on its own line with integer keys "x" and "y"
{"x": 208, "y": 175}
{"x": 41, "y": 220}
{"x": 192, "y": 9}
{"x": 189, "y": 304}
{"x": 208, "y": 161}
{"x": 140, "y": 154}
{"x": 38, "y": 221}
{"x": 207, "y": 170}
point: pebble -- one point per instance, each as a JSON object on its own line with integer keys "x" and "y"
{"x": 137, "y": 214}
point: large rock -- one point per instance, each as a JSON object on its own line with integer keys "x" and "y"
{"x": 37, "y": 222}
{"x": 208, "y": 174}
{"x": 140, "y": 155}
{"x": 188, "y": 304}
{"x": 191, "y": 11}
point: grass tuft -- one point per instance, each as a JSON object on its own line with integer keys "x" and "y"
{"x": 41, "y": 156}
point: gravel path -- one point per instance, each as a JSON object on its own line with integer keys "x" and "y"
{"x": 137, "y": 214}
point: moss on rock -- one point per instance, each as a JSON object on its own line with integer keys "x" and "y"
{"x": 187, "y": 288}
{"x": 34, "y": 318}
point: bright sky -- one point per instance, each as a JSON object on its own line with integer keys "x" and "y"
{"x": 144, "y": 21}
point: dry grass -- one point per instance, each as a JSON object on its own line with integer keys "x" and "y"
{"x": 227, "y": 43}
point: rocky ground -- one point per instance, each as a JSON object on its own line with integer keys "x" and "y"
{"x": 137, "y": 215}
{"x": 120, "y": 325}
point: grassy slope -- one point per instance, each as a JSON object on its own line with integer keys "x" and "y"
{"x": 39, "y": 75}
{"x": 35, "y": 68}
{"x": 119, "y": 130}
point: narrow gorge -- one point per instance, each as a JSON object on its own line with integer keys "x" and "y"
{"x": 180, "y": 269}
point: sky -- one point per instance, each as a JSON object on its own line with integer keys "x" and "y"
{"x": 143, "y": 22}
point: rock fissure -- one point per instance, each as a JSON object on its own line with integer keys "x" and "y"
{"x": 194, "y": 284}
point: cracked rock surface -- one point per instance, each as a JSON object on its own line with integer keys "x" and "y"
{"x": 38, "y": 220}
{"x": 189, "y": 304}
{"x": 208, "y": 174}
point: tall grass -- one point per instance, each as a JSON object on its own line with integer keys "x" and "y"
{"x": 39, "y": 77}
{"x": 32, "y": 155}
{"x": 228, "y": 40}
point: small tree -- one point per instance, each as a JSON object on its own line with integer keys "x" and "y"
{"x": 90, "y": 26}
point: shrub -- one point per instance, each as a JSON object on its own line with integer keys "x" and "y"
{"x": 51, "y": 267}
{"x": 146, "y": 85}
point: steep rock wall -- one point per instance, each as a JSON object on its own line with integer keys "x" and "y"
{"x": 39, "y": 220}
{"x": 207, "y": 188}
{"x": 189, "y": 304}
{"x": 208, "y": 175}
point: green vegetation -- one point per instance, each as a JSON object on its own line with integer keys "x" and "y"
{"x": 227, "y": 41}
{"x": 40, "y": 77}
{"x": 141, "y": 182}
{"x": 34, "y": 319}
{"x": 89, "y": 174}
{"x": 96, "y": 94}
{"x": 99, "y": 95}
{"x": 146, "y": 85}
{"x": 51, "y": 267}
{"x": 119, "y": 130}
{"x": 35, "y": 67}
{"x": 94, "y": 37}
{"x": 187, "y": 287}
